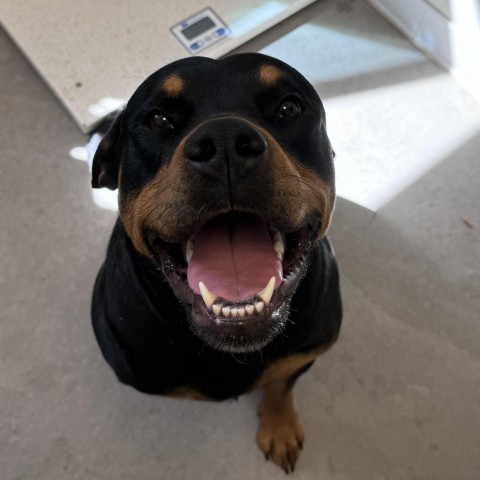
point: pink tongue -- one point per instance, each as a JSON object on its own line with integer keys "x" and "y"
{"x": 235, "y": 259}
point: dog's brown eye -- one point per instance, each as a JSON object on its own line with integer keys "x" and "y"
{"x": 289, "y": 109}
{"x": 158, "y": 121}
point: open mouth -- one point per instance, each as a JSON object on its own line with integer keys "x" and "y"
{"x": 237, "y": 273}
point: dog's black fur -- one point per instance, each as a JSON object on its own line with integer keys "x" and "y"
{"x": 144, "y": 334}
{"x": 144, "y": 328}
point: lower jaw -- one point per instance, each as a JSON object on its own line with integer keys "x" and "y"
{"x": 238, "y": 335}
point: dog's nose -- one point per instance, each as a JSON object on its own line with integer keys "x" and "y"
{"x": 226, "y": 146}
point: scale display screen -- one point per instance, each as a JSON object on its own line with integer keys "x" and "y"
{"x": 198, "y": 28}
{"x": 201, "y": 30}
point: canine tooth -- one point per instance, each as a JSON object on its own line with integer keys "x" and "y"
{"x": 208, "y": 297}
{"x": 250, "y": 309}
{"x": 241, "y": 312}
{"x": 234, "y": 312}
{"x": 217, "y": 309}
{"x": 226, "y": 311}
{"x": 279, "y": 249}
{"x": 278, "y": 244}
{"x": 267, "y": 292}
{"x": 189, "y": 250}
{"x": 259, "y": 306}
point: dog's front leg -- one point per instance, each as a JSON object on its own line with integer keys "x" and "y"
{"x": 280, "y": 435}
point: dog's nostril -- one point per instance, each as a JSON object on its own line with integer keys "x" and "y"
{"x": 250, "y": 146}
{"x": 201, "y": 150}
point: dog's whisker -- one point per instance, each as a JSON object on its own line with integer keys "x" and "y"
{"x": 202, "y": 349}
{"x": 261, "y": 356}
{"x": 301, "y": 180}
{"x": 200, "y": 210}
{"x": 237, "y": 360}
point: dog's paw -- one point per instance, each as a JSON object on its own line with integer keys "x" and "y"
{"x": 281, "y": 436}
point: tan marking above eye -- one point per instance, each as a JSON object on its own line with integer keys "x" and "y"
{"x": 172, "y": 86}
{"x": 269, "y": 75}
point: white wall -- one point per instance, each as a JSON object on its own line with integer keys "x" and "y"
{"x": 443, "y": 6}
{"x": 453, "y": 42}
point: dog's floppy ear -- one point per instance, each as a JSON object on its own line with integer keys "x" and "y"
{"x": 106, "y": 161}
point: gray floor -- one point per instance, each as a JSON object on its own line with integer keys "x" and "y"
{"x": 397, "y": 398}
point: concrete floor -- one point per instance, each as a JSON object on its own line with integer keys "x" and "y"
{"x": 397, "y": 398}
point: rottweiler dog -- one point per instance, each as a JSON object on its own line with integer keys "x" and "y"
{"x": 219, "y": 278}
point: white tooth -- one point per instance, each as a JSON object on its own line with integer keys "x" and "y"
{"x": 189, "y": 250}
{"x": 267, "y": 292}
{"x": 250, "y": 309}
{"x": 217, "y": 309}
{"x": 241, "y": 312}
{"x": 226, "y": 311}
{"x": 259, "y": 306}
{"x": 278, "y": 244}
{"x": 234, "y": 312}
{"x": 208, "y": 297}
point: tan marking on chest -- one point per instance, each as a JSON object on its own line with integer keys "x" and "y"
{"x": 186, "y": 393}
{"x": 281, "y": 370}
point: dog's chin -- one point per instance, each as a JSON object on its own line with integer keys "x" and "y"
{"x": 251, "y": 321}
{"x": 238, "y": 335}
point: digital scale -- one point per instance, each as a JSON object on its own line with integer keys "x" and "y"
{"x": 200, "y": 31}
{"x": 95, "y": 54}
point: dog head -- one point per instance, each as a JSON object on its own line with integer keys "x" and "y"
{"x": 225, "y": 179}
